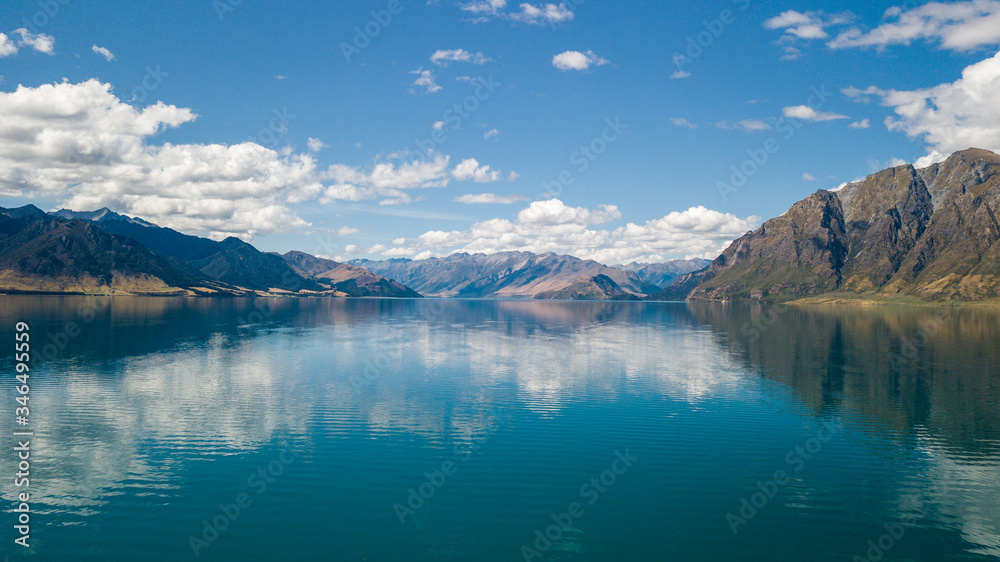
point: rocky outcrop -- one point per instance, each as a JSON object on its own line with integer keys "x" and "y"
{"x": 931, "y": 233}
{"x": 800, "y": 253}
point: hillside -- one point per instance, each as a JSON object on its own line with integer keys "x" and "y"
{"x": 39, "y": 253}
{"x": 931, "y": 234}
{"x": 236, "y": 263}
{"x": 355, "y": 281}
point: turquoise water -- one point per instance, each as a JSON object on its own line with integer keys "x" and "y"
{"x": 171, "y": 429}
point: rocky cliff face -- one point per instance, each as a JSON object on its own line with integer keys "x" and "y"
{"x": 931, "y": 233}
{"x": 800, "y": 253}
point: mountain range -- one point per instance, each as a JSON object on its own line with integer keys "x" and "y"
{"x": 102, "y": 252}
{"x": 931, "y": 234}
{"x": 523, "y": 275}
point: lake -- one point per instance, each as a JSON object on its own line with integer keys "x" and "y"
{"x": 397, "y": 430}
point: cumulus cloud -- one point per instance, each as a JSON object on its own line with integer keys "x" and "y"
{"x": 951, "y": 116}
{"x": 389, "y": 182}
{"x": 808, "y": 177}
{"x": 80, "y": 143}
{"x": 425, "y": 80}
{"x": 442, "y": 58}
{"x": 488, "y": 199}
{"x": 680, "y": 74}
{"x": 384, "y": 180}
{"x": 807, "y": 113}
{"x": 469, "y": 169}
{"x": 956, "y": 26}
{"x": 40, "y": 42}
{"x": 863, "y": 124}
{"x": 682, "y": 122}
{"x": 552, "y": 226}
{"x": 83, "y": 146}
{"x": 492, "y": 134}
{"x": 315, "y": 145}
{"x": 540, "y": 14}
{"x": 575, "y": 60}
{"x": 7, "y": 46}
{"x": 103, "y": 52}
{"x": 807, "y": 25}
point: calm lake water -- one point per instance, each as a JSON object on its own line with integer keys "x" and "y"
{"x": 420, "y": 430}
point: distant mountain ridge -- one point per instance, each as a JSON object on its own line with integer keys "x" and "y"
{"x": 932, "y": 234}
{"x": 512, "y": 275}
{"x": 663, "y": 274}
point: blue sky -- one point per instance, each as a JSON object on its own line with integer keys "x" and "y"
{"x": 199, "y": 115}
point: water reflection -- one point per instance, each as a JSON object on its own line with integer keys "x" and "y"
{"x": 150, "y": 390}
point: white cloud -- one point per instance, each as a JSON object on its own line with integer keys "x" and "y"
{"x": 492, "y": 134}
{"x": 389, "y": 182}
{"x": 438, "y": 125}
{"x": 807, "y": 113}
{"x": 103, "y": 52}
{"x": 7, "y": 46}
{"x": 345, "y": 231}
{"x": 81, "y": 144}
{"x": 41, "y": 42}
{"x": 956, "y": 26}
{"x": 488, "y": 199}
{"x": 384, "y": 180}
{"x": 863, "y": 124}
{"x": 315, "y": 145}
{"x": 442, "y": 58}
{"x": 280, "y": 77}
{"x": 952, "y": 116}
{"x": 808, "y": 25}
{"x": 680, "y": 74}
{"x": 808, "y": 177}
{"x": 84, "y": 147}
{"x": 575, "y": 60}
{"x": 746, "y": 125}
{"x": 682, "y": 122}
{"x": 552, "y": 226}
{"x": 469, "y": 169}
{"x": 425, "y": 81}
{"x": 540, "y": 14}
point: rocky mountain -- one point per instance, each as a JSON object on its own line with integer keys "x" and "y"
{"x": 931, "y": 233}
{"x": 663, "y": 274}
{"x": 108, "y": 253}
{"x": 680, "y": 288}
{"x": 512, "y": 275}
{"x": 40, "y": 253}
{"x": 599, "y": 287}
{"x": 355, "y": 281}
{"x": 231, "y": 261}
{"x": 236, "y": 263}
